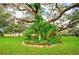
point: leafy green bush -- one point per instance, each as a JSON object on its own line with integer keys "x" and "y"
{"x": 53, "y": 40}
{"x": 41, "y": 32}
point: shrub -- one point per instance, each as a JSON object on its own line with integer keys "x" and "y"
{"x": 41, "y": 32}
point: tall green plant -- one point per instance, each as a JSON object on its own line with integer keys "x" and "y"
{"x": 42, "y": 30}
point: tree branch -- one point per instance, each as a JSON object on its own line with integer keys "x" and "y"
{"x": 57, "y": 7}
{"x": 24, "y": 20}
{"x": 27, "y": 21}
{"x": 31, "y": 7}
{"x": 53, "y": 20}
{"x": 70, "y": 25}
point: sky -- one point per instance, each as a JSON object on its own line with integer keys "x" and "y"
{"x": 18, "y": 14}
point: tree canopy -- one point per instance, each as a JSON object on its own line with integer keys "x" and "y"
{"x": 57, "y": 13}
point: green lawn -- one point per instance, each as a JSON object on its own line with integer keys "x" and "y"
{"x": 13, "y": 46}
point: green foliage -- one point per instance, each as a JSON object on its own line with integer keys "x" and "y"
{"x": 53, "y": 40}
{"x": 38, "y": 18}
{"x": 43, "y": 29}
{"x": 27, "y": 34}
{"x": 43, "y": 32}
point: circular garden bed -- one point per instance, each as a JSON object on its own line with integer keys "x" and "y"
{"x": 39, "y": 45}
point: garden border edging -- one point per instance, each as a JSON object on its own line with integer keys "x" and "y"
{"x": 40, "y": 46}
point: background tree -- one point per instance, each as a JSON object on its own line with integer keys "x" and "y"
{"x": 3, "y": 19}
{"x": 51, "y": 13}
